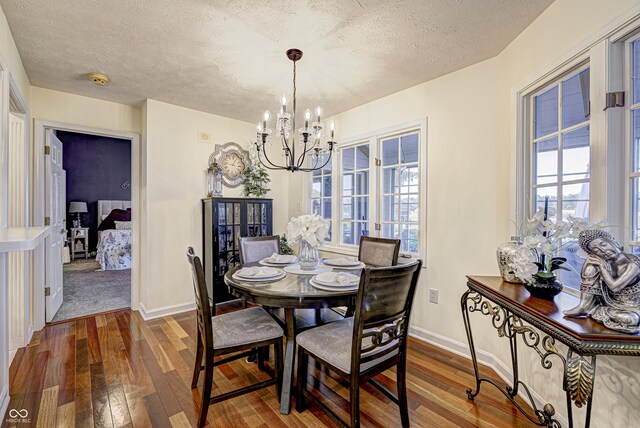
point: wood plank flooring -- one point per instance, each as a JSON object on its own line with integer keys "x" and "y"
{"x": 116, "y": 370}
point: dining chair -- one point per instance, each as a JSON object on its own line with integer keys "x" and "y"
{"x": 256, "y": 248}
{"x": 238, "y": 333}
{"x": 379, "y": 251}
{"x": 360, "y": 347}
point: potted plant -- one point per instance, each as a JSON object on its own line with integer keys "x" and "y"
{"x": 537, "y": 259}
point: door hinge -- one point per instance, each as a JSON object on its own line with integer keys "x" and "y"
{"x": 47, "y": 291}
{"x": 47, "y": 150}
{"x": 47, "y": 221}
{"x": 378, "y": 162}
{"x": 377, "y": 226}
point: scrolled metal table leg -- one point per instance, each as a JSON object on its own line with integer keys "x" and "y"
{"x": 467, "y": 326}
{"x": 580, "y": 375}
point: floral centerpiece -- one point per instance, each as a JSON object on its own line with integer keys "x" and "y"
{"x": 537, "y": 259}
{"x": 309, "y": 231}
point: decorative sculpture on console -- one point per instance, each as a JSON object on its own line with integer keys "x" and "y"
{"x": 610, "y": 285}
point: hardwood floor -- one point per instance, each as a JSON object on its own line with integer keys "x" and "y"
{"x": 116, "y": 370}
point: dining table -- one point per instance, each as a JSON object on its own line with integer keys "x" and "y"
{"x": 292, "y": 292}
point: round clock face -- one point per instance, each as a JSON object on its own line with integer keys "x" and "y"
{"x": 232, "y": 165}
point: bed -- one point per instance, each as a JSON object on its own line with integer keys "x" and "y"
{"x": 114, "y": 246}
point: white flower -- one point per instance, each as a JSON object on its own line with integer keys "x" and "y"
{"x": 310, "y": 228}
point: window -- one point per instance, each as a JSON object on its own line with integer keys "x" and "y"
{"x": 379, "y": 189}
{"x": 561, "y": 149}
{"x": 354, "y": 218}
{"x": 321, "y": 190}
{"x": 401, "y": 190}
{"x": 560, "y": 136}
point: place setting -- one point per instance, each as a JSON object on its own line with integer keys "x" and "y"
{"x": 279, "y": 260}
{"x": 345, "y": 263}
{"x": 259, "y": 274}
{"x": 335, "y": 281}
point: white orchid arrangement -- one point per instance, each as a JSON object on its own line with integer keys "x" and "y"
{"x": 310, "y": 228}
{"x": 537, "y": 257}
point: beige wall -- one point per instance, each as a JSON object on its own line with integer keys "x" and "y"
{"x": 175, "y": 182}
{"x": 471, "y": 164}
{"x": 73, "y": 109}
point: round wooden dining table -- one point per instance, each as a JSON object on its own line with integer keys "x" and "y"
{"x": 289, "y": 293}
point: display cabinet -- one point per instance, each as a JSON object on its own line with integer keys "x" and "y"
{"x": 225, "y": 221}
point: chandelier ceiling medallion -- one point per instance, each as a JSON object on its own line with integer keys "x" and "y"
{"x": 310, "y": 140}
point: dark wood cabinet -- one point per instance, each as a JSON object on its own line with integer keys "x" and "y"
{"x": 225, "y": 221}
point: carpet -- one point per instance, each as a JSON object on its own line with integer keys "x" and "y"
{"x": 88, "y": 292}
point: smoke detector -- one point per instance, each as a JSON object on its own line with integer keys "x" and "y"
{"x": 98, "y": 78}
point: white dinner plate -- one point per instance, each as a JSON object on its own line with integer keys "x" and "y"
{"x": 342, "y": 262}
{"x": 271, "y": 279}
{"x": 267, "y": 273}
{"x": 264, "y": 262}
{"x": 291, "y": 259}
{"x": 330, "y": 279}
{"x": 360, "y": 265}
{"x": 326, "y": 288}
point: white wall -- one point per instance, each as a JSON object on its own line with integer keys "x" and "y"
{"x": 471, "y": 195}
{"x": 175, "y": 182}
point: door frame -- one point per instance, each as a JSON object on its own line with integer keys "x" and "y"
{"x": 39, "y": 192}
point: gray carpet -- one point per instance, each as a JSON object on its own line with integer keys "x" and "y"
{"x": 88, "y": 292}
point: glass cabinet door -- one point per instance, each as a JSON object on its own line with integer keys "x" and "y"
{"x": 257, "y": 218}
{"x": 229, "y": 227}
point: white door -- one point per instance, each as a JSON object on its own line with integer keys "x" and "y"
{"x": 55, "y": 209}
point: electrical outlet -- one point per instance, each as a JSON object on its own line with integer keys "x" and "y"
{"x": 433, "y": 295}
{"x": 204, "y": 137}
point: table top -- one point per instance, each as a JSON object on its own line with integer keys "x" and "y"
{"x": 548, "y": 313}
{"x": 291, "y": 291}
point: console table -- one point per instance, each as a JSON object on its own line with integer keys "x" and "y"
{"x": 510, "y": 306}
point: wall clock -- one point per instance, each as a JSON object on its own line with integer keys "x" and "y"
{"x": 233, "y": 160}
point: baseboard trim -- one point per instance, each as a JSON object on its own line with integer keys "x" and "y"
{"x": 164, "y": 311}
{"x": 4, "y": 403}
{"x": 484, "y": 357}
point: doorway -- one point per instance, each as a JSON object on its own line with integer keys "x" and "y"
{"x": 82, "y": 239}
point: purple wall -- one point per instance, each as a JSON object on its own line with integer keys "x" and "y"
{"x": 96, "y": 169}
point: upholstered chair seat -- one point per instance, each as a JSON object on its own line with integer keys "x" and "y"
{"x": 332, "y": 343}
{"x": 244, "y": 327}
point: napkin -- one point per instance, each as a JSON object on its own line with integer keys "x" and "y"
{"x": 258, "y": 272}
{"x": 344, "y": 261}
{"x": 338, "y": 278}
{"x": 282, "y": 258}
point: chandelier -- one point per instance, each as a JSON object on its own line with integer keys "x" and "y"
{"x": 310, "y": 144}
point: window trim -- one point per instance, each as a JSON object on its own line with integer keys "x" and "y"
{"x": 373, "y": 138}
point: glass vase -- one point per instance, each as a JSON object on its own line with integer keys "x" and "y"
{"x": 308, "y": 257}
{"x": 505, "y": 254}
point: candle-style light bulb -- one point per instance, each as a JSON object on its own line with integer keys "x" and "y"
{"x": 259, "y": 127}
{"x": 332, "y": 126}
{"x": 307, "y": 116}
{"x": 319, "y": 112}
{"x": 265, "y": 118}
{"x": 284, "y": 104}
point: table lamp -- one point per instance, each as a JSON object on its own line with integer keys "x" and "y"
{"x": 77, "y": 208}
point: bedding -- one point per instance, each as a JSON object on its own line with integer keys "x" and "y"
{"x": 114, "y": 249}
{"x": 114, "y": 215}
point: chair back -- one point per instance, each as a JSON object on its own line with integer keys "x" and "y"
{"x": 256, "y": 248}
{"x": 383, "y": 307}
{"x": 379, "y": 251}
{"x": 203, "y": 308}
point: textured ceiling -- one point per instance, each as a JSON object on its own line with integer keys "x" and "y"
{"x": 227, "y": 57}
